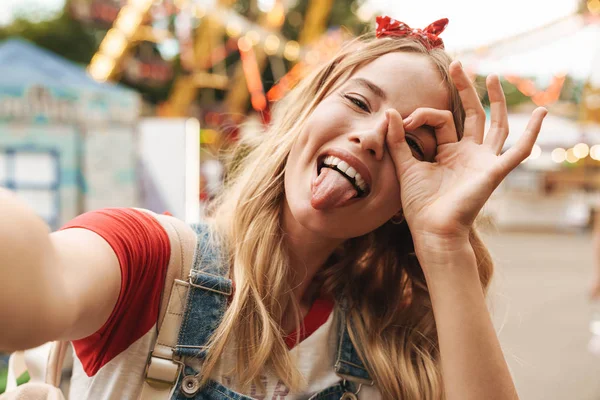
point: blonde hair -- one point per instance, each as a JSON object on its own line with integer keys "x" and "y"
{"x": 390, "y": 313}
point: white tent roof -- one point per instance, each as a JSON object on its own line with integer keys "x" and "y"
{"x": 568, "y": 46}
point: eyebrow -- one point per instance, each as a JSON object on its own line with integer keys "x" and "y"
{"x": 377, "y": 91}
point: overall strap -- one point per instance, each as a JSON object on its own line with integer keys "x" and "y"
{"x": 163, "y": 369}
{"x": 349, "y": 364}
{"x": 209, "y": 291}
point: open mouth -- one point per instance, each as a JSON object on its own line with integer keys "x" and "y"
{"x": 348, "y": 172}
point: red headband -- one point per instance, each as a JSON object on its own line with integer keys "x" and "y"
{"x": 387, "y": 26}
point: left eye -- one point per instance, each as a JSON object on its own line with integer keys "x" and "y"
{"x": 415, "y": 146}
{"x": 358, "y": 103}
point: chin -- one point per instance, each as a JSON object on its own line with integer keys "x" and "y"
{"x": 328, "y": 224}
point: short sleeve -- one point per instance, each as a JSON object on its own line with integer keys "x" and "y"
{"x": 143, "y": 250}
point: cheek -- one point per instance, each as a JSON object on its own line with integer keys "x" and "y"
{"x": 293, "y": 167}
{"x": 327, "y": 121}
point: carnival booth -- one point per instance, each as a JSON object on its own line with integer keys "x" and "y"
{"x": 67, "y": 142}
{"x": 557, "y": 186}
{"x": 556, "y": 66}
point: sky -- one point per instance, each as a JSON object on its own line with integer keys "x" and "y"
{"x": 475, "y": 23}
{"x": 12, "y": 7}
{"x": 472, "y": 22}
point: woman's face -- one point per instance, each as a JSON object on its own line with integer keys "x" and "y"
{"x": 340, "y": 180}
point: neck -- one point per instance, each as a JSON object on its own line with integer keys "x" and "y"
{"x": 307, "y": 252}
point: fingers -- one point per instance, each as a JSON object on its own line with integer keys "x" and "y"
{"x": 499, "y": 115}
{"x": 474, "y": 113}
{"x": 396, "y": 142}
{"x": 522, "y": 149}
{"x": 441, "y": 120}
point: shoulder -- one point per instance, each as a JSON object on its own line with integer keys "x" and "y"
{"x": 111, "y": 220}
{"x": 143, "y": 248}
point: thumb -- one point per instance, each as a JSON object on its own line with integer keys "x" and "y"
{"x": 396, "y": 141}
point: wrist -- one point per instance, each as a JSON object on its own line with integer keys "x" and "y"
{"x": 428, "y": 244}
{"x": 445, "y": 253}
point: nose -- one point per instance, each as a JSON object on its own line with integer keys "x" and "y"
{"x": 372, "y": 139}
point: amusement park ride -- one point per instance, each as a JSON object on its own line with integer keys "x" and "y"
{"x": 206, "y": 36}
{"x": 208, "y": 32}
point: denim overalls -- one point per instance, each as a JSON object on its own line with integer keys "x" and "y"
{"x": 207, "y": 301}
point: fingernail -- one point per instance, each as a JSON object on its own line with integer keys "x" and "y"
{"x": 408, "y": 120}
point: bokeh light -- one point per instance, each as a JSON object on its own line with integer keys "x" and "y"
{"x": 559, "y": 155}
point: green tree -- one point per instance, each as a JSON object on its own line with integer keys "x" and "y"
{"x": 60, "y": 34}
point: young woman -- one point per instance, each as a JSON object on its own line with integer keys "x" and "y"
{"x": 348, "y": 231}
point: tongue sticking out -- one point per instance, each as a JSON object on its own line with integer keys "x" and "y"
{"x": 331, "y": 189}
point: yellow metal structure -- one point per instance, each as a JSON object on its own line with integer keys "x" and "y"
{"x": 314, "y": 25}
{"x": 238, "y": 94}
{"x": 185, "y": 89}
{"x": 129, "y": 30}
{"x": 315, "y": 21}
{"x": 119, "y": 39}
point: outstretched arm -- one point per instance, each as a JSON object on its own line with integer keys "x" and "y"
{"x": 62, "y": 285}
{"x": 440, "y": 201}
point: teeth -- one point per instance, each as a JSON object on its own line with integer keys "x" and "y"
{"x": 344, "y": 167}
{"x": 361, "y": 184}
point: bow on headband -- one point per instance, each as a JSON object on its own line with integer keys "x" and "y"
{"x": 387, "y": 26}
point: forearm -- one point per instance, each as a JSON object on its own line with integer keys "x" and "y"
{"x": 25, "y": 250}
{"x": 472, "y": 361}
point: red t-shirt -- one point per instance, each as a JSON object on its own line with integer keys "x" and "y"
{"x": 142, "y": 248}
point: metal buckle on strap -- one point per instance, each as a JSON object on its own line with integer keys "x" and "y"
{"x": 161, "y": 371}
{"x": 191, "y": 282}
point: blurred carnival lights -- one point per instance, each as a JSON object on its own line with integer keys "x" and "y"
{"x": 581, "y": 150}
{"x": 594, "y": 6}
{"x": 595, "y": 152}
{"x": 276, "y": 16}
{"x": 233, "y": 29}
{"x": 266, "y": 5}
{"x": 571, "y": 157}
{"x": 272, "y": 45}
{"x": 292, "y": 50}
{"x": 559, "y": 155}
{"x": 253, "y": 37}
{"x": 244, "y": 44}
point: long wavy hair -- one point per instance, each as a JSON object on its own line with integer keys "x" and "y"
{"x": 390, "y": 317}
